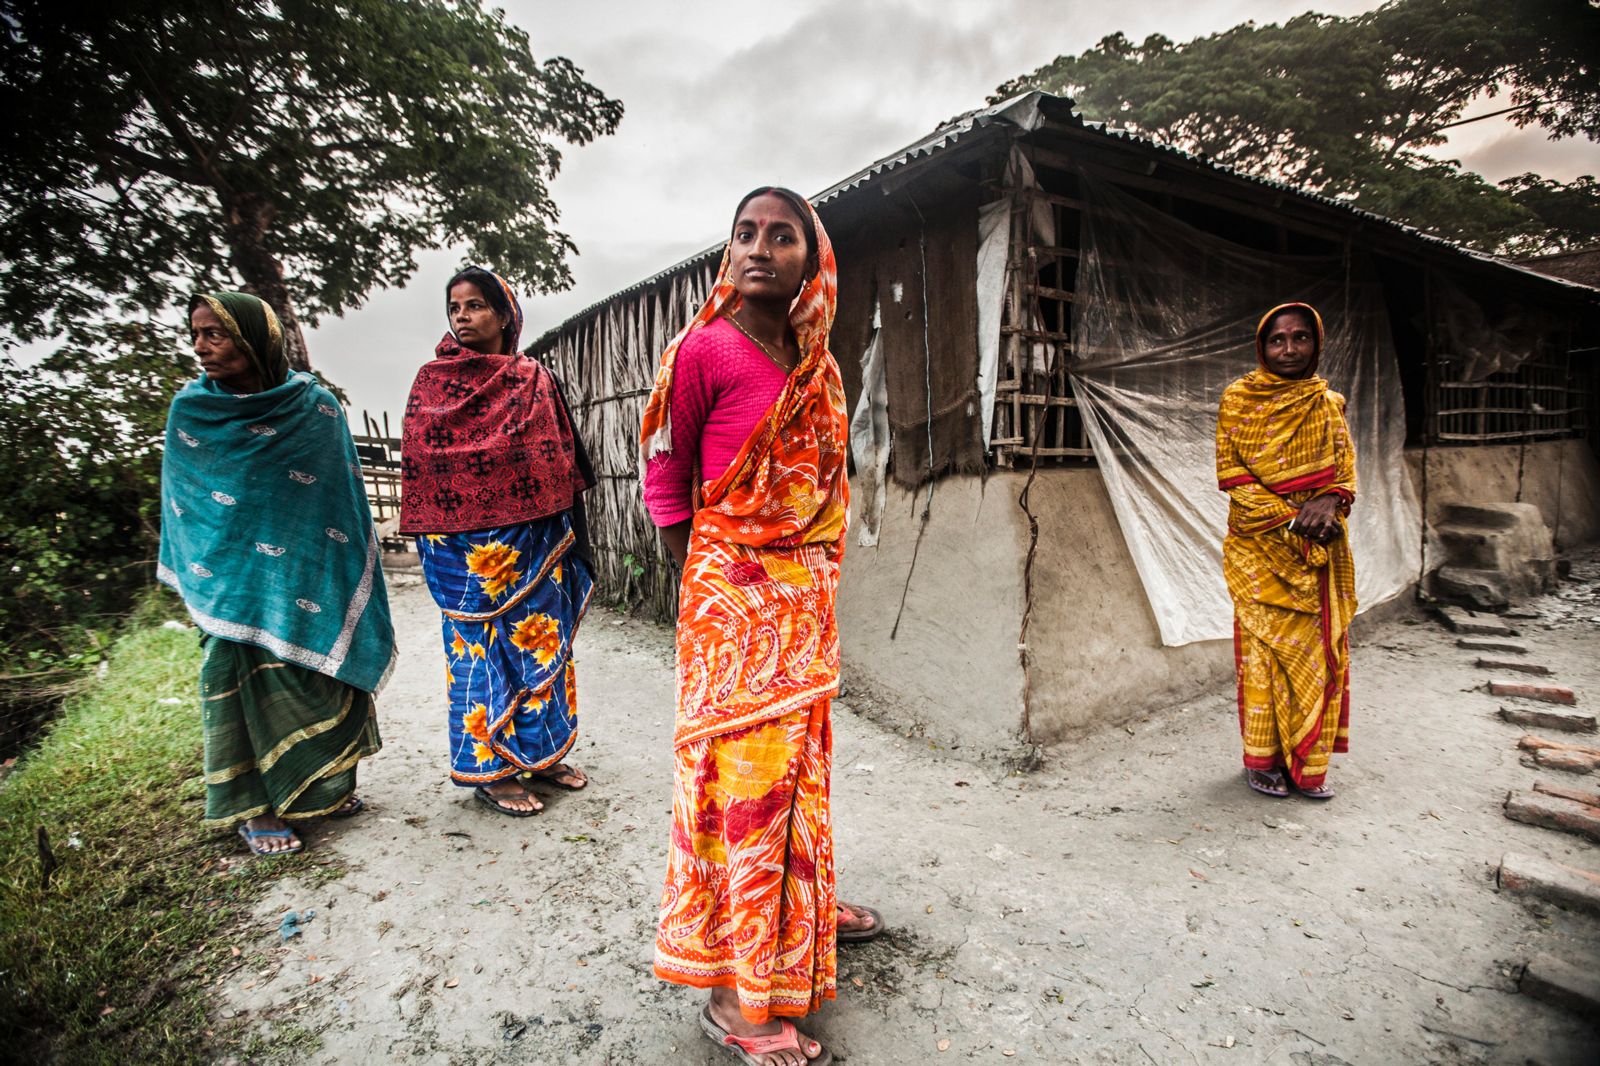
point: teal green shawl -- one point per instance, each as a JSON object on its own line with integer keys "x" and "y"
{"x": 266, "y": 532}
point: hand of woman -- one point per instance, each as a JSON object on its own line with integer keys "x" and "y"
{"x": 1318, "y": 520}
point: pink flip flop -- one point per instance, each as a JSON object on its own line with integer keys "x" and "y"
{"x": 747, "y": 1047}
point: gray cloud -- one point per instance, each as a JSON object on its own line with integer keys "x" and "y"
{"x": 802, "y": 94}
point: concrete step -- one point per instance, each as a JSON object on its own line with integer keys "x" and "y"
{"x": 1462, "y": 620}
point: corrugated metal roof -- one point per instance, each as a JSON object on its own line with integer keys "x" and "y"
{"x": 1028, "y": 112}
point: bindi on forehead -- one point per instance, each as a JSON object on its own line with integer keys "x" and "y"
{"x": 769, "y": 211}
{"x": 770, "y": 222}
{"x": 1291, "y": 322}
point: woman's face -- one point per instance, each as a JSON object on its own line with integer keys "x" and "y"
{"x": 477, "y": 325}
{"x": 768, "y": 253}
{"x": 222, "y": 360}
{"x": 1290, "y": 346}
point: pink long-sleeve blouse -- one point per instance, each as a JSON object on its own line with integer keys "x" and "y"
{"x": 721, "y": 386}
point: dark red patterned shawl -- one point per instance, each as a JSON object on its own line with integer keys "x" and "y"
{"x": 487, "y": 442}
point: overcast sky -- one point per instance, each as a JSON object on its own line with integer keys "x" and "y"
{"x": 720, "y": 100}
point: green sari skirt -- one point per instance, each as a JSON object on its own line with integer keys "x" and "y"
{"x": 279, "y": 739}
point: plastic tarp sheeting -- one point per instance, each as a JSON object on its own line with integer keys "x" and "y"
{"x": 870, "y": 440}
{"x": 1489, "y": 337}
{"x": 994, "y": 245}
{"x": 1164, "y": 320}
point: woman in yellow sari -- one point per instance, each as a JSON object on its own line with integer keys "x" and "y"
{"x": 1286, "y": 461}
{"x": 746, "y": 478}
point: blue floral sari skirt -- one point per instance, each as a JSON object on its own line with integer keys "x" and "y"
{"x": 511, "y": 599}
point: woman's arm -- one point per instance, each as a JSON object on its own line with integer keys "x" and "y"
{"x": 676, "y": 538}
{"x": 669, "y": 479}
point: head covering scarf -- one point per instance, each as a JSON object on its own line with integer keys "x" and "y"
{"x": 1266, "y": 320}
{"x": 266, "y": 532}
{"x": 1281, "y": 430}
{"x": 810, "y": 316}
{"x": 255, "y": 329}
{"x": 488, "y": 440}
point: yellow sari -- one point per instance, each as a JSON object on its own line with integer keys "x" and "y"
{"x": 1280, "y": 444}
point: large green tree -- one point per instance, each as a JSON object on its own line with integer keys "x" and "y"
{"x": 1349, "y": 107}
{"x": 306, "y": 149}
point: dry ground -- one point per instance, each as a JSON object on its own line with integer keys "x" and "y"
{"x": 1131, "y": 902}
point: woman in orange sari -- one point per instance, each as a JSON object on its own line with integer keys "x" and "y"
{"x": 1286, "y": 461}
{"x": 743, "y": 447}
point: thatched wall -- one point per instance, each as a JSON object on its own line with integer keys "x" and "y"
{"x": 607, "y": 363}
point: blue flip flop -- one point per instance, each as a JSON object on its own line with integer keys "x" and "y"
{"x": 253, "y": 835}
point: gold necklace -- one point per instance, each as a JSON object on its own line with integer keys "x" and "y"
{"x": 760, "y": 344}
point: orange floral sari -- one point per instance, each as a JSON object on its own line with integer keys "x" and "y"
{"x": 749, "y": 899}
{"x": 1280, "y": 444}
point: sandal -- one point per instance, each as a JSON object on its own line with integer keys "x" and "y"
{"x": 860, "y": 936}
{"x": 351, "y": 807}
{"x": 1319, "y": 792}
{"x": 488, "y": 800}
{"x": 1268, "y": 783}
{"x": 748, "y": 1047}
{"x": 253, "y": 836}
{"x": 568, "y": 777}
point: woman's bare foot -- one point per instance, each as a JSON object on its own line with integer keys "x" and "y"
{"x": 724, "y": 1009}
{"x": 855, "y": 919}
{"x": 563, "y": 774}
{"x": 508, "y": 793}
{"x": 1267, "y": 782}
{"x": 270, "y": 845}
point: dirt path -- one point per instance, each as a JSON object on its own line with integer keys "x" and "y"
{"x": 1131, "y": 902}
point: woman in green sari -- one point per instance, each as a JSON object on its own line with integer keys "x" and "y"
{"x": 267, "y": 536}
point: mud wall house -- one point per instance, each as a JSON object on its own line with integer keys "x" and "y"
{"x": 1036, "y": 318}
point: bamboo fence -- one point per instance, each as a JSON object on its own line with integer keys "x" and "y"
{"x": 606, "y": 359}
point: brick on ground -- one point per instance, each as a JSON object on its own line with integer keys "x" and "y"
{"x": 1550, "y": 718}
{"x": 1529, "y": 691}
{"x": 1462, "y": 620}
{"x": 1562, "y": 984}
{"x": 1505, "y": 646}
{"x": 1554, "y": 812}
{"x": 1529, "y": 875}
{"x": 1568, "y": 762}
{"x": 1529, "y": 742}
{"x": 1576, "y": 795}
{"x": 1522, "y": 668}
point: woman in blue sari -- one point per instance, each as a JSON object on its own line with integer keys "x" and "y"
{"x": 267, "y": 536}
{"x": 492, "y": 483}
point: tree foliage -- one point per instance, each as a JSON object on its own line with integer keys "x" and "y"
{"x": 1348, "y": 106}
{"x": 303, "y": 149}
{"x": 81, "y": 439}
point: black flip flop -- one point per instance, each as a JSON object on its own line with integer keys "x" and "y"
{"x": 861, "y": 936}
{"x": 495, "y": 805}
{"x": 349, "y": 808}
{"x": 550, "y": 773}
{"x": 1280, "y": 792}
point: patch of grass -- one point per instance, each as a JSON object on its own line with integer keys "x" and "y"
{"x": 107, "y": 964}
{"x": 289, "y": 1042}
